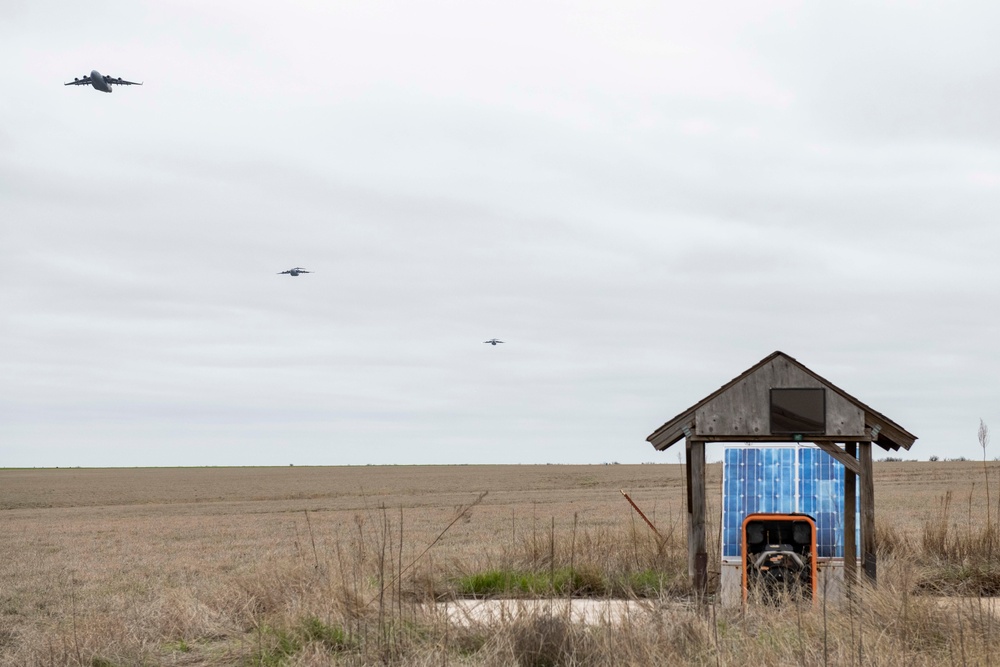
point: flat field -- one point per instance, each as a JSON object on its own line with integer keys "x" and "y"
{"x": 82, "y": 545}
{"x": 107, "y": 526}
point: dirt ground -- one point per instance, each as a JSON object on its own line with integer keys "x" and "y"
{"x": 906, "y": 492}
{"x": 173, "y": 520}
{"x": 99, "y": 539}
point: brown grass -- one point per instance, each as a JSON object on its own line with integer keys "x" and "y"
{"x": 317, "y": 566}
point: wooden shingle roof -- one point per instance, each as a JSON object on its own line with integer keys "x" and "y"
{"x": 877, "y": 427}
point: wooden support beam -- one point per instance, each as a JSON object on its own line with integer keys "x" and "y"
{"x": 687, "y": 479}
{"x": 850, "y": 526}
{"x": 697, "y": 554}
{"x": 690, "y": 508}
{"x": 867, "y": 481}
{"x": 763, "y": 439}
{"x": 840, "y": 455}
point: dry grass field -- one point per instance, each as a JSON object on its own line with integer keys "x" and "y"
{"x": 343, "y": 565}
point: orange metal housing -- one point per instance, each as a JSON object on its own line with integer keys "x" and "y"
{"x": 780, "y": 517}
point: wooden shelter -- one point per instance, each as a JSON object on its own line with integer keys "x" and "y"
{"x": 747, "y": 410}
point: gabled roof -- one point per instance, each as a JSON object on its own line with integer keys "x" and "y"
{"x": 888, "y": 434}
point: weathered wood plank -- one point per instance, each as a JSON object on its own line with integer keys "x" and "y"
{"x": 816, "y": 439}
{"x": 687, "y": 478}
{"x": 867, "y": 481}
{"x": 840, "y": 455}
{"x": 696, "y": 535}
{"x": 850, "y": 508}
{"x": 743, "y": 409}
{"x": 739, "y": 411}
{"x": 672, "y": 431}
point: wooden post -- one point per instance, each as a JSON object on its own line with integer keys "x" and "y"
{"x": 850, "y": 526}
{"x": 867, "y": 481}
{"x": 690, "y": 508}
{"x": 697, "y": 555}
{"x": 687, "y": 479}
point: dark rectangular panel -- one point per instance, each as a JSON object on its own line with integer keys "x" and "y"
{"x": 798, "y": 411}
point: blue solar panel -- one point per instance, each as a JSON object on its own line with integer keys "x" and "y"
{"x": 783, "y": 480}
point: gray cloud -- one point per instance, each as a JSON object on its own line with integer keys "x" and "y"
{"x": 642, "y": 200}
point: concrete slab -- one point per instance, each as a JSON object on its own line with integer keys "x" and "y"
{"x": 585, "y": 611}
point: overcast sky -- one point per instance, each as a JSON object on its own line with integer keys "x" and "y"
{"x": 643, "y": 199}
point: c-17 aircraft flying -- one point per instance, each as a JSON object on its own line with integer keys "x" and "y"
{"x": 294, "y": 272}
{"x": 101, "y": 82}
{"x": 493, "y": 341}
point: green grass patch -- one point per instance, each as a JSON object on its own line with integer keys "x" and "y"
{"x": 575, "y": 582}
{"x": 332, "y": 637}
{"x": 276, "y": 646}
{"x": 179, "y": 646}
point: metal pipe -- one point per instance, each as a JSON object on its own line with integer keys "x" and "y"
{"x": 636, "y": 507}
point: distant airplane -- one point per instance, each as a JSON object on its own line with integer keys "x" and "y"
{"x": 493, "y": 341}
{"x": 101, "y": 82}
{"x": 294, "y": 272}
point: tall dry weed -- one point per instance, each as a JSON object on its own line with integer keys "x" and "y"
{"x": 362, "y": 591}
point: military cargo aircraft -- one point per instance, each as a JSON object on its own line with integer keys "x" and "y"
{"x": 101, "y": 82}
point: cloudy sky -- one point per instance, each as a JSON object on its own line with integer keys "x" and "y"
{"x": 643, "y": 199}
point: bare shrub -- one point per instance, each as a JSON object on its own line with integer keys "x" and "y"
{"x": 543, "y": 641}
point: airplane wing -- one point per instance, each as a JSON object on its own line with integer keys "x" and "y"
{"x": 120, "y": 81}
{"x": 85, "y": 81}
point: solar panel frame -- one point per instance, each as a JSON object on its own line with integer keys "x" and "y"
{"x": 784, "y": 479}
